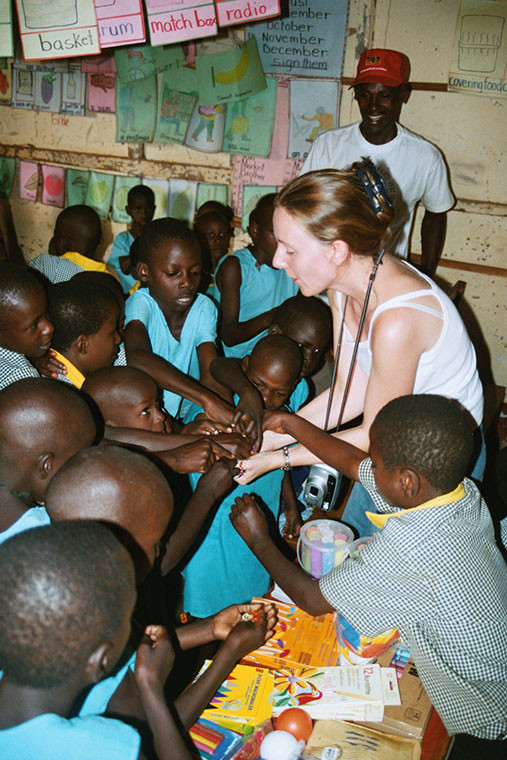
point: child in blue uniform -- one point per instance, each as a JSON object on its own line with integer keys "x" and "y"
{"x": 249, "y": 288}
{"x": 67, "y": 597}
{"x": 140, "y": 207}
{"x": 170, "y": 328}
{"x": 273, "y": 368}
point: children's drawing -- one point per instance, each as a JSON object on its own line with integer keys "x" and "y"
{"x": 236, "y": 74}
{"x": 100, "y": 192}
{"x": 73, "y": 92}
{"x": 57, "y": 29}
{"x": 249, "y": 122}
{"x": 38, "y": 15}
{"x": 28, "y": 180}
{"x": 182, "y": 195}
{"x": 306, "y": 125}
{"x": 160, "y": 189}
{"x": 207, "y": 192}
{"x": 174, "y": 112}
{"x": 6, "y": 43}
{"x": 251, "y": 196}
{"x": 7, "y": 170}
{"x": 6, "y": 85}
{"x": 53, "y": 186}
{"x": 48, "y": 91}
{"x": 206, "y": 129}
{"x": 101, "y": 93}
{"x": 136, "y": 110}
{"x": 135, "y": 62}
{"x": 76, "y": 185}
{"x": 122, "y": 185}
{"x": 479, "y": 42}
{"x": 23, "y": 87}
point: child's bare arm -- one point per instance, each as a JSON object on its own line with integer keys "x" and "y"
{"x": 206, "y": 353}
{"x": 215, "y": 627}
{"x": 251, "y": 525}
{"x": 293, "y": 518}
{"x": 250, "y": 408}
{"x": 140, "y": 355}
{"x": 233, "y": 331}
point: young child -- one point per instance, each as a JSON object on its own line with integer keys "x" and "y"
{"x": 125, "y": 489}
{"x": 67, "y": 597}
{"x": 86, "y": 337}
{"x": 273, "y": 368}
{"x": 249, "y": 287}
{"x": 215, "y": 233}
{"x": 25, "y": 329}
{"x": 171, "y": 328}
{"x": 42, "y": 424}
{"x": 73, "y": 247}
{"x": 433, "y": 571}
{"x": 140, "y": 207}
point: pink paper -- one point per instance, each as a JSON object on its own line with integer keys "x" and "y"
{"x": 53, "y": 186}
{"x": 280, "y": 137}
{"x": 231, "y": 12}
{"x": 251, "y": 170}
{"x": 180, "y": 20}
{"x": 120, "y": 22}
{"x": 99, "y": 64}
{"x": 28, "y": 180}
{"x": 100, "y": 92}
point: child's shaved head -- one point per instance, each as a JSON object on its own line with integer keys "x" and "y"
{"x": 65, "y": 590}
{"x": 42, "y": 424}
{"x": 274, "y": 367}
{"x": 126, "y": 397}
{"x": 116, "y": 485}
{"x": 77, "y": 229}
{"x": 24, "y": 325}
{"x": 308, "y": 322}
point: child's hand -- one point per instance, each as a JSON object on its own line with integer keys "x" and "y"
{"x": 197, "y": 456}
{"x": 249, "y": 520}
{"x": 49, "y": 366}
{"x": 253, "y": 468}
{"x": 275, "y": 421}
{"x": 247, "y": 636}
{"x": 204, "y": 427}
{"x": 237, "y": 445}
{"x": 218, "y": 479}
{"x": 217, "y": 409}
{"x": 249, "y": 415}
{"x": 154, "y": 658}
{"x": 224, "y": 621}
{"x": 293, "y": 523}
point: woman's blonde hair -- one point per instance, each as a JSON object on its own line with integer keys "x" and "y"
{"x": 334, "y": 205}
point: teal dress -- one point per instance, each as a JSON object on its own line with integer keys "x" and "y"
{"x": 223, "y": 570}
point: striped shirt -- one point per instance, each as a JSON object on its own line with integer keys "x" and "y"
{"x": 54, "y": 268}
{"x": 435, "y": 573}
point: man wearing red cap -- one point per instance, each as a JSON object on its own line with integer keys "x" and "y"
{"x": 412, "y": 168}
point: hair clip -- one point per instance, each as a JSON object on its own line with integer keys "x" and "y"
{"x": 374, "y": 186}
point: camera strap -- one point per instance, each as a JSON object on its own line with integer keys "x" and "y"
{"x": 376, "y": 264}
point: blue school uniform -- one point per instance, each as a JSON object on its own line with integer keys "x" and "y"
{"x": 223, "y": 570}
{"x": 262, "y": 288}
{"x": 121, "y": 247}
{"x": 34, "y": 517}
{"x": 200, "y": 327}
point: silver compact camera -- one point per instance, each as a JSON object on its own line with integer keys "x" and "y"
{"x": 322, "y": 487}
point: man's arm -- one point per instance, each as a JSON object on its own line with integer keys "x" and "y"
{"x": 433, "y": 229}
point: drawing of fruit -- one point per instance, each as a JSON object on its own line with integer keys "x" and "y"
{"x": 98, "y": 192}
{"x": 54, "y": 184}
{"x": 122, "y": 196}
{"x": 237, "y": 72}
{"x": 103, "y": 81}
{"x": 46, "y": 87}
{"x": 32, "y": 182}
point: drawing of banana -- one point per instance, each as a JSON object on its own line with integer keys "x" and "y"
{"x": 32, "y": 182}
{"x": 238, "y": 71}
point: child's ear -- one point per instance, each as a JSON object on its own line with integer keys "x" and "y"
{"x": 142, "y": 271}
{"x": 45, "y": 465}
{"x": 99, "y": 663}
{"x": 253, "y": 231}
{"x": 274, "y": 329}
{"x": 82, "y": 344}
{"x": 410, "y": 482}
{"x": 245, "y": 362}
{"x": 339, "y": 251}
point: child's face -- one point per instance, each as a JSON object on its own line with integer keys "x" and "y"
{"x": 217, "y": 233}
{"x": 102, "y": 347}
{"x": 173, "y": 274}
{"x": 385, "y": 481}
{"x": 263, "y": 236}
{"x": 313, "y": 341}
{"x": 273, "y": 381}
{"x": 141, "y": 209}
{"x": 140, "y": 408}
{"x": 26, "y": 329}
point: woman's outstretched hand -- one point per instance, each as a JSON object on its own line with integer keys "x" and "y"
{"x": 254, "y": 467}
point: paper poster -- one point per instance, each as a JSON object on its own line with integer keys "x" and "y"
{"x": 182, "y": 196}
{"x": 6, "y": 44}
{"x": 53, "y": 186}
{"x": 6, "y": 84}
{"x": 231, "y": 75}
{"x": 168, "y": 57}
{"x": 100, "y": 93}
{"x": 48, "y": 91}
{"x": 57, "y": 29}
{"x": 133, "y": 63}
{"x": 251, "y": 196}
{"x": 28, "y": 180}
{"x": 180, "y": 20}
{"x": 160, "y": 189}
{"x": 120, "y": 22}
{"x": 136, "y": 104}
{"x": 76, "y": 181}
{"x": 313, "y": 110}
{"x": 309, "y": 40}
{"x": 122, "y": 185}
{"x": 100, "y": 192}
{"x": 280, "y": 136}
{"x": 174, "y": 111}
{"x": 231, "y": 12}
{"x": 479, "y": 56}
{"x": 7, "y": 171}
{"x": 99, "y": 64}
{"x": 250, "y": 170}
{"x": 73, "y": 93}
{"x": 184, "y": 79}
{"x": 207, "y": 192}
{"x": 206, "y": 128}
{"x": 23, "y": 87}
{"x": 249, "y": 122}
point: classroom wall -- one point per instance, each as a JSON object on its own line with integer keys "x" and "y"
{"x": 468, "y": 129}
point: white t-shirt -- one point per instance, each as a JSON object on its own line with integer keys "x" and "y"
{"x": 412, "y": 169}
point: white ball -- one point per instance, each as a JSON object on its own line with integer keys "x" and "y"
{"x": 279, "y": 745}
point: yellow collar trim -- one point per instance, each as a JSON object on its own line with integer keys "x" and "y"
{"x": 439, "y": 501}
{"x": 134, "y": 288}
{"x": 73, "y": 374}
{"x": 86, "y": 263}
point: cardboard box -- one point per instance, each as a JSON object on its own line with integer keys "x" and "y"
{"x": 411, "y": 718}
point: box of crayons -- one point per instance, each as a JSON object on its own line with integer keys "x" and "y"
{"x": 214, "y": 742}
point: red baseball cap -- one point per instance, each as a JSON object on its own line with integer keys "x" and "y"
{"x": 382, "y": 66}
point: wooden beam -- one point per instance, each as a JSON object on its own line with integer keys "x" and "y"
{"x": 431, "y": 86}
{"x": 466, "y": 266}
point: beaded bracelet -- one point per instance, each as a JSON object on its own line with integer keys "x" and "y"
{"x": 287, "y": 466}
